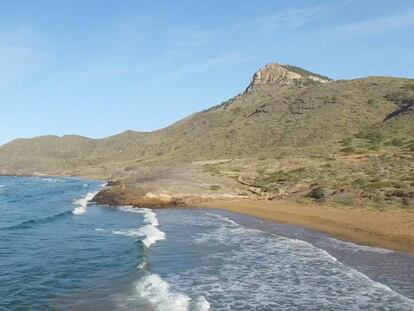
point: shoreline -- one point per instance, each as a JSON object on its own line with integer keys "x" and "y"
{"x": 393, "y": 229}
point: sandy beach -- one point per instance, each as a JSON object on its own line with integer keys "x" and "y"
{"x": 390, "y": 226}
{"x": 391, "y": 229}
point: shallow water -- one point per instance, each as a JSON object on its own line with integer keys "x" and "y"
{"x": 59, "y": 252}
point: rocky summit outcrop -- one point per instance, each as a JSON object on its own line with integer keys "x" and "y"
{"x": 280, "y": 75}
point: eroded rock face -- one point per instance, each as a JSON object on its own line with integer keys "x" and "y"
{"x": 280, "y": 75}
{"x": 134, "y": 196}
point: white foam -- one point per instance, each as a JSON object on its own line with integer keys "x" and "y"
{"x": 152, "y": 288}
{"x": 142, "y": 265}
{"x": 149, "y": 215}
{"x": 148, "y": 234}
{"x": 83, "y": 203}
{"x": 53, "y": 180}
{"x": 357, "y": 247}
{"x": 159, "y": 294}
{"x": 225, "y": 219}
{"x": 251, "y": 230}
{"x": 200, "y": 304}
{"x": 256, "y": 261}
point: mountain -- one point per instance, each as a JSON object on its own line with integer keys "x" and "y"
{"x": 284, "y": 110}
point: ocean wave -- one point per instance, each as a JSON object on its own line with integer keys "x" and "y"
{"x": 147, "y": 234}
{"x": 150, "y": 217}
{"x": 142, "y": 265}
{"x": 294, "y": 255}
{"x": 152, "y": 288}
{"x": 357, "y": 247}
{"x": 251, "y": 230}
{"x": 53, "y": 180}
{"x": 32, "y": 222}
{"x": 159, "y": 294}
{"x": 224, "y": 219}
{"x": 83, "y": 203}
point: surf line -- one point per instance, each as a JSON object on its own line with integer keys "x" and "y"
{"x": 83, "y": 202}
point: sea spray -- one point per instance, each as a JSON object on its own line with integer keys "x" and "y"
{"x": 83, "y": 203}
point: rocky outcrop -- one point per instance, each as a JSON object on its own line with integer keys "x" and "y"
{"x": 280, "y": 75}
{"x": 118, "y": 196}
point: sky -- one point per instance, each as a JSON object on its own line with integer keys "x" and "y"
{"x": 100, "y": 67}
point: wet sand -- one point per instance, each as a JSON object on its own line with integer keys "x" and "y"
{"x": 392, "y": 229}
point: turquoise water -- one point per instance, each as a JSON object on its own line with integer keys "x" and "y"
{"x": 57, "y": 252}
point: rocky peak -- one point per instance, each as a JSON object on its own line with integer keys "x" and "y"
{"x": 280, "y": 75}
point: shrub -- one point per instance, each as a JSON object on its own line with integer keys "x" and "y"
{"x": 279, "y": 176}
{"x": 374, "y": 137}
{"x": 349, "y": 149}
{"x": 408, "y": 87}
{"x": 360, "y": 134}
{"x": 379, "y": 184}
{"x": 395, "y": 97}
{"x": 317, "y": 193}
{"x": 214, "y": 187}
{"x": 359, "y": 182}
{"x": 397, "y": 141}
{"x": 346, "y": 141}
{"x": 372, "y": 102}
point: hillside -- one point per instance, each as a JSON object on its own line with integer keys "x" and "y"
{"x": 285, "y": 109}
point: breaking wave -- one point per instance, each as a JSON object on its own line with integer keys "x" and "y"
{"x": 147, "y": 234}
{"x": 53, "y": 180}
{"x": 83, "y": 203}
{"x": 159, "y": 294}
{"x": 151, "y": 287}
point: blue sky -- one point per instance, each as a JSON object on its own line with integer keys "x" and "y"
{"x": 100, "y": 67}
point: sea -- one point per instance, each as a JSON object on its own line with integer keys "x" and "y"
{"x": 59, "y": 251}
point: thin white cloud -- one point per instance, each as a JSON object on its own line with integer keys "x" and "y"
{"x": 291, "y": 19}
{"x": 189, "y": 37}
{"x": 379, "y": 25}
{"x": 18, "y": 57}
{"x": 222, "y": 60}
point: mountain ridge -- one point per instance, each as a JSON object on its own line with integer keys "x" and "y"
{"x": 284, "y": 109}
